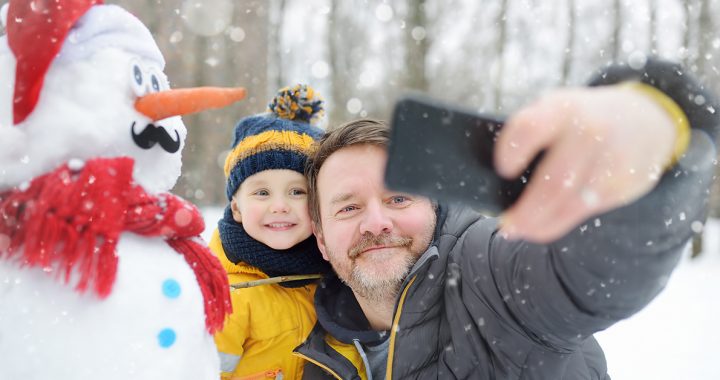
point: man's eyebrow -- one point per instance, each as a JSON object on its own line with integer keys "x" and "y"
{"x": 343, "y": 197}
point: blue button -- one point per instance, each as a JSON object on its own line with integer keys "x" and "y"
{"x": 166, "y": 338}
{"x": 171, "y": 288}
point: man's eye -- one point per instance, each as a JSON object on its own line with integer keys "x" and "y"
{"x": 398, "y": 199}
{"x": 348, "y": 209}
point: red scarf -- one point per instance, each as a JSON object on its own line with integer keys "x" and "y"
{"x": 70, "y": 221}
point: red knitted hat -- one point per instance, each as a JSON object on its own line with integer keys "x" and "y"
{"x": 36, "y": 31}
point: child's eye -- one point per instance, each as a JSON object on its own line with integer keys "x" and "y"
{"x": 262, "y": 193}
{"x": 298, "y": 192}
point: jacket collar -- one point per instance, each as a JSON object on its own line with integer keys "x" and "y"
{"x": 339, "y": 313}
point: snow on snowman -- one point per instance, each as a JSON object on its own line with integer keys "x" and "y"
{"x": 101, "y": 270}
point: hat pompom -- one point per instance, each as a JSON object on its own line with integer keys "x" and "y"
{"x": 299, "y": 102}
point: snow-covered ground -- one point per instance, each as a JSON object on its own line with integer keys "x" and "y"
{"x": 676, "y": 337}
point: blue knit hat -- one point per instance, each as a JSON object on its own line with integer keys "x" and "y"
{"x": 282, "y": 138}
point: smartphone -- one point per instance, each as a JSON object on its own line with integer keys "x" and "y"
{"x": 446, "y": 153}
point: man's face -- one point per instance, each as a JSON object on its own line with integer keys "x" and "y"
{"x": 372, "y": 236}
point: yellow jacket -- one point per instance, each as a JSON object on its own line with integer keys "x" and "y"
{"x": 267, "y": 323}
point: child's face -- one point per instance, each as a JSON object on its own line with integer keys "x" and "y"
{"x": 272, "y": 207}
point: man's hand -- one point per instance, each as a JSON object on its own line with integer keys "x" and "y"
{"x": 605, "y": 147}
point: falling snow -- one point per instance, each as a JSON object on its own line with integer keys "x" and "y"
{"x": 678, "y": 328}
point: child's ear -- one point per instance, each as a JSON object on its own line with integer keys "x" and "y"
{"x": 237, "y": 216}
{"x": 320, "y": 240}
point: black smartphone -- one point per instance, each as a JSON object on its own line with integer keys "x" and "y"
{"x": 446, "y": 153}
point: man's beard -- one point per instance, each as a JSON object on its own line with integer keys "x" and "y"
{"x": 378, "y": 287}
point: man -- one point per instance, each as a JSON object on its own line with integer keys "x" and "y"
{"x": 430, "y": 291}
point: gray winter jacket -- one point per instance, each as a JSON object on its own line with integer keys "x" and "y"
{"x": 477, "y": 306}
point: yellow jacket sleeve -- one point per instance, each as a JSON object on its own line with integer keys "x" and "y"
{"x": 230, "y": 340}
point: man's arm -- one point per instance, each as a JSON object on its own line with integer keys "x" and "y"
{"x": 605, "y": 146}
{"x": 616, "y": 262}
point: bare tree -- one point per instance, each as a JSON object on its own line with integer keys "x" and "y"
{"x": 227, "y": 61}
{"x": 705, "y": 35}
{"x": 711, "y": 76}
{"x": 570, "y": 43}
{"x": 248, "y": 52}
{"x": 689, "y": 56}
{"x": 652, "y": 26}
{"x": 502, "y": 25}
{"x": 707, "y": 73}
{"x": 616, "y": 41}
{"x": 338, "y": 94}
{"x": 347, "y": 39}
{"x": 416, "y": 45}
{"x": 276, "y": 78}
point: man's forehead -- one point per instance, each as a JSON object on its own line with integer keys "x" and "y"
{"x": 359, "y": 152}
{"x": 366, "y": 161}
{"x": 351, "y": 172}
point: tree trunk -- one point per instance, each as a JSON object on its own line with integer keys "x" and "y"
{"x": 570, "y": 43}
{"x": 276, "y": 78}
{"x": 652, "y": 27}
{"x": 217, "y": 60}
{"x": 688, "y": 57}
{"x": 705, "y": 35}
{"x": 500, "y": 53}
{"x": 616, "y": 49}
{"x": 416, "y": 45}
{"x": 337, "y": 94}
{"x": 345, "y": 41}
{"x": 707, "y": 72}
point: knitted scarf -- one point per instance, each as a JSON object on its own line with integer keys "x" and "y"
{"x": 302, "y": 258}
{"x": 69, "y": 221}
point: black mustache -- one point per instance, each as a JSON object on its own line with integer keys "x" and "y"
{"x": 152, "y": 135}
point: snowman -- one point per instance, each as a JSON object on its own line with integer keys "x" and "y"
{"x": 102, "y": 274}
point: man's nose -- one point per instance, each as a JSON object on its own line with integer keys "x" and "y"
{"x": 375, "y": 221}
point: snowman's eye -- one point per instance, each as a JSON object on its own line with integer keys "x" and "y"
{"x": 157, "y": 80}
{"x": 155, "y": 83}
{"x": 137, "y": 75}
{"x": 137, "y": 79}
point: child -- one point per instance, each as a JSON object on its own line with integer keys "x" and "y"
{"x": 265, "y": 235}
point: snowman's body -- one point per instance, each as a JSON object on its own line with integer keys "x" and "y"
{"x": 151, "y": 326}
{"x": 154, "y": 322}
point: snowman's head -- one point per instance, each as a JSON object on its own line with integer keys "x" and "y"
{"x": 88, "y": 105}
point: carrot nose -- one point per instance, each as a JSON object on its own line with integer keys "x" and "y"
{"x": 184, "y": 101}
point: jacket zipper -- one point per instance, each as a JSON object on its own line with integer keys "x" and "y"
{"x": 396, "y": 320}
{"x": 394, "y": 327}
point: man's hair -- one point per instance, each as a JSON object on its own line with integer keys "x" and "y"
{"x": 357, "y": 132}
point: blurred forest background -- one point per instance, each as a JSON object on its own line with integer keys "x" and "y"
{"x": 487, "y": 55}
